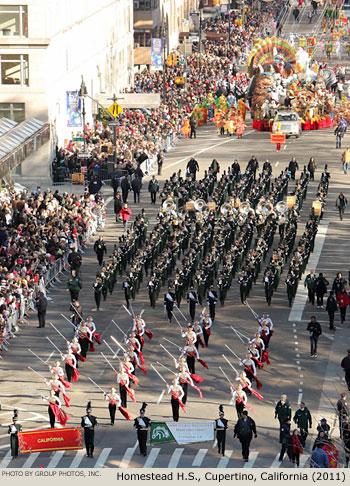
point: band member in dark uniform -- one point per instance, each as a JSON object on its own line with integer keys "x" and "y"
{"x": 212, "y": 298}
{"x": 169, "y": 299}
{"x": 14, "y": 428}
{"x": 192, "y": 302}
{"x": 142, "y": 425}
{"x": 89, "y": 422}
{"x": 221, "y": 427}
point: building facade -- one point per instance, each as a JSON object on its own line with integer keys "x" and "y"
{"x": 159, "y": 18}
{"x": 47, "y": 45}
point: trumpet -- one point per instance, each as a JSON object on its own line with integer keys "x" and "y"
{"x": 168, "y": 205}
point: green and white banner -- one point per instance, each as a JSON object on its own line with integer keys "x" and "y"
{"x": 160, "y": 433}
{"x": 181, "y": 432}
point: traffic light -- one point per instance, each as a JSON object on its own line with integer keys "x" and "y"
{"x": 169, "y": 61}
{"x": 175, "y": 59}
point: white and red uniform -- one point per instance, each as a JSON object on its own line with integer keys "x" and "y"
{"x": 206, "y": 324}
{"x": 76, "y": 350}
{"x": 197, "y": 328}
{"x": 190, "y": 336}
{"x": 57, "y": 387}
{"x": 71, "y": 365}
{"x": 58, "y": 371}
{"x": 115, "y": 402}
{"x": 55, "y": 406}
{"x": 95, "y": 336}
{"x": 250, "y": 369}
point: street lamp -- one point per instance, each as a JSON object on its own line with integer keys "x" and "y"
{"x": 82, "y": 94}
{"x": 200, "y": 8}
{"x": 165, "y": 33}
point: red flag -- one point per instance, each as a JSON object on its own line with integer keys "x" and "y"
{"x": 75, "y": 374}
{"x": 203, "y": 363}
{"x": 125, "y": 413}
{"x": 149, "y": 334}
{"x": 196, "y": 378}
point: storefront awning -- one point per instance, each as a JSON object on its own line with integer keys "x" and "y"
{"x": 143, "y": 25}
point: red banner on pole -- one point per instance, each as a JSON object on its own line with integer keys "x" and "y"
{"x": 69, "y": 438}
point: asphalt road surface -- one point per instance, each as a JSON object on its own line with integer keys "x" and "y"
{"x": 317, "y": 381}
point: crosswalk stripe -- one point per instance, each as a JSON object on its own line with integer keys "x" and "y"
{"x": 30, "y": 460}
{"x": 303, "y": 460}
{"x": 215, "y": 443}
{"x": 174, "y": 460}
{"x": 6, "y": 460}
{"x": 102, "y": 458}
{"x": 225, "y": 460}
{"x": 151, "y": 459}
{"x": 276, "y": 462}
{"x": 252, "y": 459}
{"x": 197, "y": 461}
{"x": 127, "y": 456}
{"x": 55, "y": 459}
{"x": 78, "y": 458}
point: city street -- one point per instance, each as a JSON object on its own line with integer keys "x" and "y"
{"x": 318, "y": 382}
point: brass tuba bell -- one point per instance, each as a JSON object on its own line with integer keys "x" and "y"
{"x": 199, "y": 204}
{"x": 244, "y": 208}
{"x": 226, "y": 209}
{"x": 281, "y": 207}
{"x": 168, "y": 205}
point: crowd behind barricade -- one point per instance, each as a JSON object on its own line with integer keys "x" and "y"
{"x": 38, "y": 230}
{"x": 145, "y": 134}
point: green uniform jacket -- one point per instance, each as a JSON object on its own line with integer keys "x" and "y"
{"x": 303, "y": 418}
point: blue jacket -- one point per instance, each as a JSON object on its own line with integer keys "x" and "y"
{"x": 319, "y": 458}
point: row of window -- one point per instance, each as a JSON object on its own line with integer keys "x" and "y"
{"x": 14, "y": 20}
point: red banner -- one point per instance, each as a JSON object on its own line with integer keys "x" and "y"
{"x": 277, "y": 138}
{"x": 69, "y": 438}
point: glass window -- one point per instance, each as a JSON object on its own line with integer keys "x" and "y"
{"x": 13, "y": 111}
{"x": 14, "y": 69}
{"x": 13, "y": 20}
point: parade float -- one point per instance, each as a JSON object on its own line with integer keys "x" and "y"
{"x": 278, "y": 72}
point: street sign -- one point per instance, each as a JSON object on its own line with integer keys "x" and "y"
{"x": 113, "y": 124}
{"x": 78, "y": 139}
{"x": 115, "y": 109}
{"x": 83, "y": 155}
{"x": 277, "y": 138}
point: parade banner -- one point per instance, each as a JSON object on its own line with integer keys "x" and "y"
{"x": 182, "y": 433}
{"x": 68, "y": 438}
{"x": 160, "y": 433}
{"x": 73, "y": 109}
{"x": 191, "y": 432}
{"x": 157, "y": 54}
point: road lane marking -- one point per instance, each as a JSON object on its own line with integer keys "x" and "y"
{"x": 302, "y": 293}
{"x": 55, "y": 459}
{"x": 276, "y": 462}
{"x": 6, "y": 460}
{"x": 151, "y": 459}
{"x": 30, "y": 461}
{"x": 78, "y": 458}
{"x": 128, "y": 455}
{"x": 197, "y": 461}
{"x": 225, "y": 460}
{"x": 174, "y": 460}
{"x": 252, "y": 458}
{"x": 102, "y": 458}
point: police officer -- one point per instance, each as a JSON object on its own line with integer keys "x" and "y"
{"x": 221, "y": 427}
{"x": 13, "y": 430}
{"x": 142, "y": 425}
{"x": 88, "y": 422}
{"x": 169, "y": 299}
{"x": 212, "y": 298}
{"x": 100, "y": 249}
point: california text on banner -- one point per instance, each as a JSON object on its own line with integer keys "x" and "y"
{"x": 69, "y": 438}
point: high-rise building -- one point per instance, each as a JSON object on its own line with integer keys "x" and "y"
{"x": 45, "y": 47}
